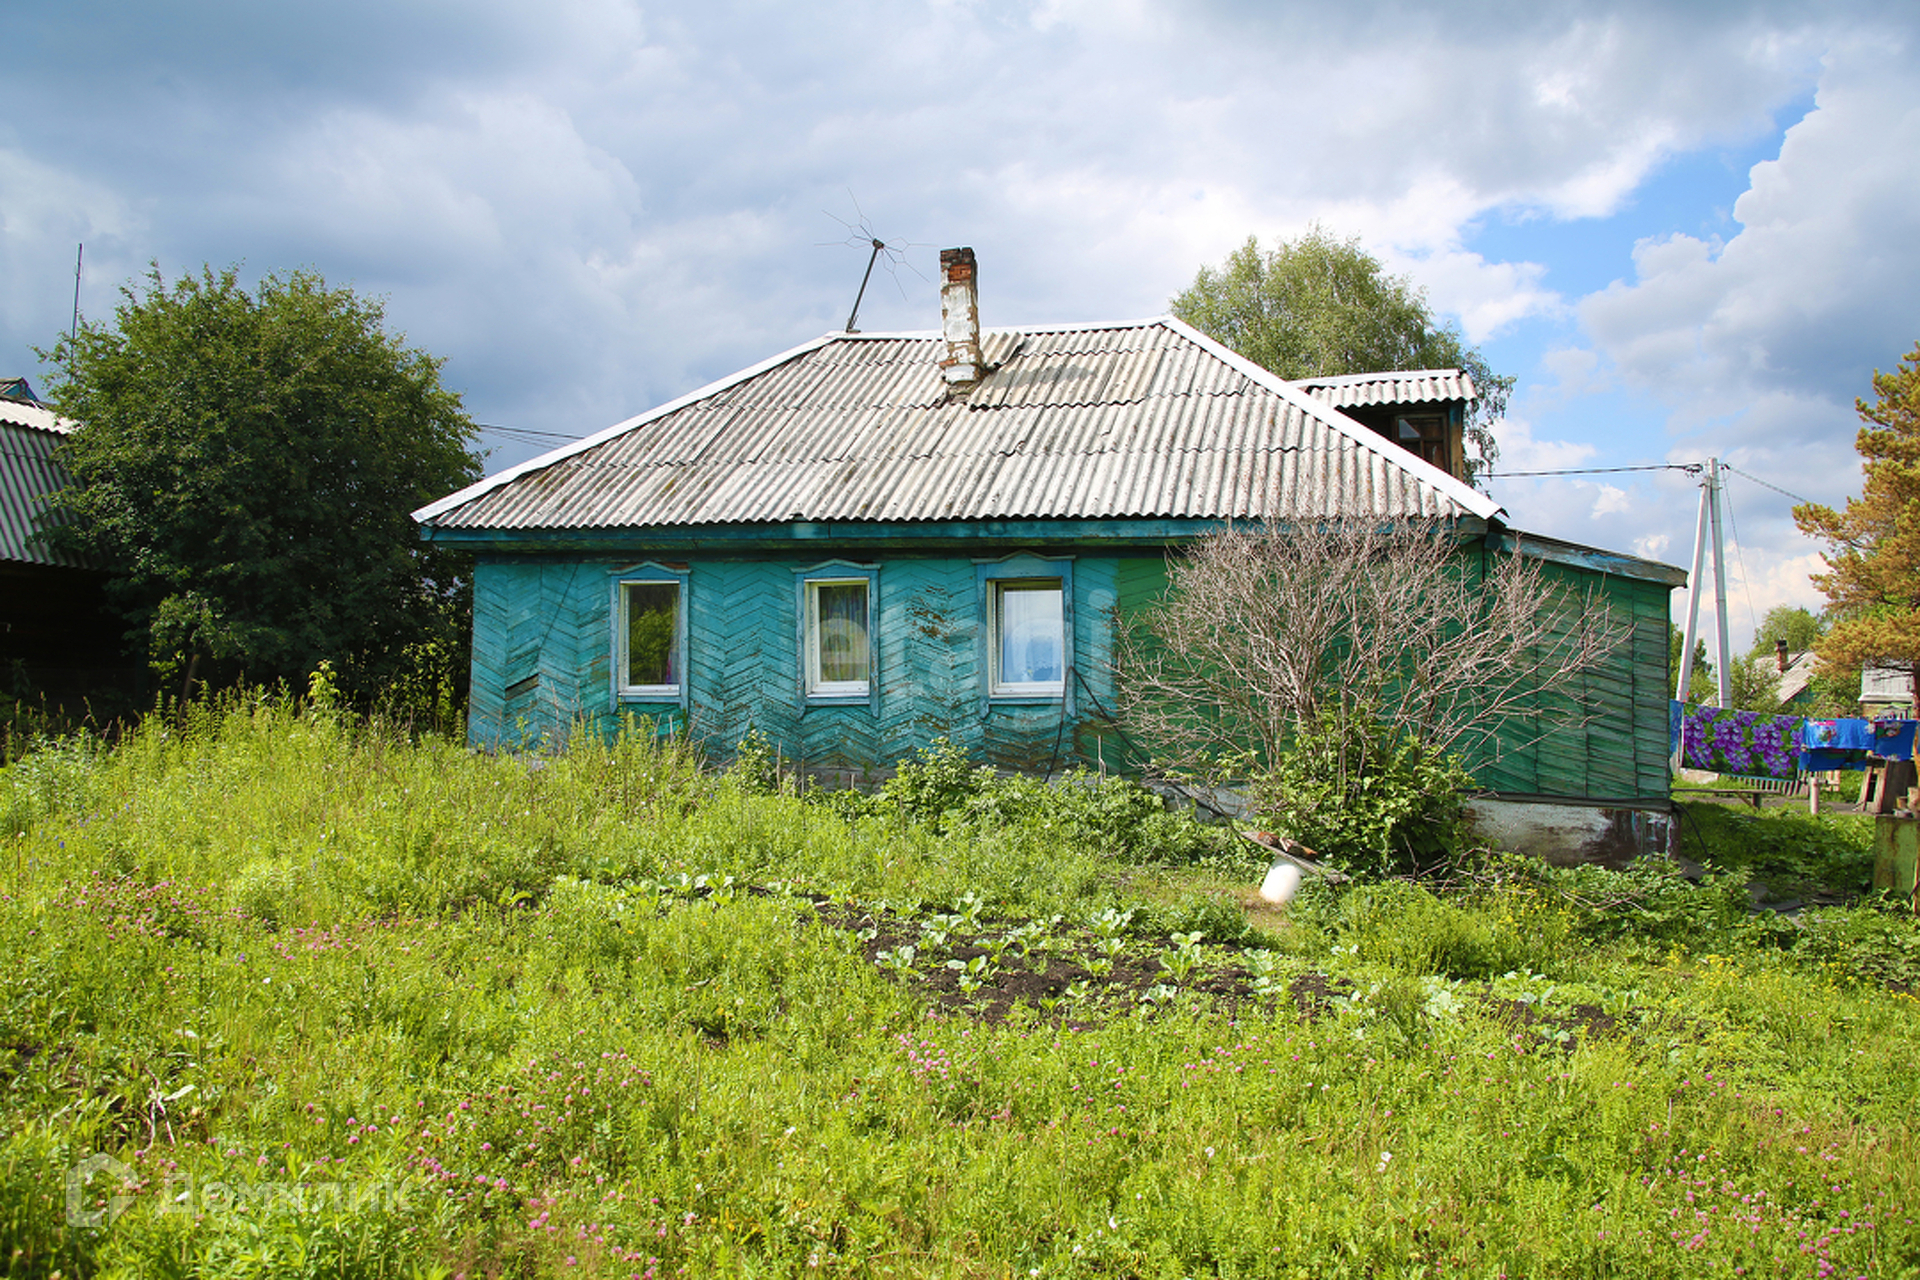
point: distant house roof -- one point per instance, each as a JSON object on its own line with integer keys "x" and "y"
{"x": 1799, "y": 674}
{"x": 29, "y": 474}
{"x": 1134, "y": 420}
{"x": 1405, "y": 386}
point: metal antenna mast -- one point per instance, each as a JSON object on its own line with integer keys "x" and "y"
{"x": 74, "y": 328}
{"x": 861, "y": 233}
{"x": 872, "y": 258}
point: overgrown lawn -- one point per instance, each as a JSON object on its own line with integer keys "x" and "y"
{"x": 286, "y": 996}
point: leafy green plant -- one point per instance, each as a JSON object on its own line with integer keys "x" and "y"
{"x": 1653, "y": 901}
{"x": 1369, "y": 804}
{"x": 1863, "y": 944}
{"x": 756, "y": 764}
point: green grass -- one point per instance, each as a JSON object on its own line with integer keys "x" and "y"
{"x": 345, "y": 1004}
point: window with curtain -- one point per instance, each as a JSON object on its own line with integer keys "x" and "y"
{"x": 1028, "y": 634}
{"x": 839, "y": 638}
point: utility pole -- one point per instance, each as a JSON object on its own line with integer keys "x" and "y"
{"x": 1709, "y": 518}
{"x": 1719, "y": 582}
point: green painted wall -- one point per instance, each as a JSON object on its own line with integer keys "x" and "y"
{"x": 542, "y": 656}
{"x": 1618, "y": 753}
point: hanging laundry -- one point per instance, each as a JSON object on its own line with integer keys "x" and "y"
{"x": 1847, "y": 734}
{"x": 1740, "y": 742}
{"x": 1893, "y": 739}
{"x": 1826, "y": 759}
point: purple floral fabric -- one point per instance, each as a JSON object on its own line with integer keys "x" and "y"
{"x": 1740, "y": 742}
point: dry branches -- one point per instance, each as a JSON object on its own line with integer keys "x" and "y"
{"x": 1402, "y": 624}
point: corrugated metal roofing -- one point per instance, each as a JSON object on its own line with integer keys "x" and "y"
{"x": 28, "y": 474}
{"x": 1149, "y": 419}
{"x": 1405, "y": 386}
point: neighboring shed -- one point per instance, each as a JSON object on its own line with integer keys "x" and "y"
{"x": 1794, "y": 685}
{"x": 57, "y": 636}
{"x": 875, "y": 539}
{"x": 1886, "y": 691}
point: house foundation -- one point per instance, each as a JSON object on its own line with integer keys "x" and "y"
{"x": 1569, "y": 833}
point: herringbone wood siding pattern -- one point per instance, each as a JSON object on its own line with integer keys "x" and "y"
{"x": 543, "y": 641}
{"x": 543, "y": 637}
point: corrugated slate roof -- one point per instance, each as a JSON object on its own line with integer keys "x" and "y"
{"x": 1405, "y": 386}
{"x": 28, "y": 474}
{"x": 1148, "y": 419}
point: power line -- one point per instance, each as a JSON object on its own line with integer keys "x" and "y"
{"x": 525, "y": 432}
{"x": 1763, "y": 484}
{"x": 1692, "y": 468}
{"x": 1740, "y": 552}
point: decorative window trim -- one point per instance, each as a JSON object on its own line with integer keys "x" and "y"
{"x": 990, "y": 578}
{"x": 649, "y": 574}
{"x": 810, "y": 692}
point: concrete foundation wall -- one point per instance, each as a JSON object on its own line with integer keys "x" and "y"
{"x": 1567, "y": 834}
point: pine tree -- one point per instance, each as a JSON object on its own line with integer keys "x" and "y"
{"x": 1872, "y": 581}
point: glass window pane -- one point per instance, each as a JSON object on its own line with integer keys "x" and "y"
{"x": 840, "y": 614}
{"x": 1032, "y": 633}
{"x": 652, "y": 624}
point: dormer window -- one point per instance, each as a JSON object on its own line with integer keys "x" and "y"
{"x": 1425, "y": 434}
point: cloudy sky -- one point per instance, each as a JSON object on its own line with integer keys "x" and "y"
{"x": 1687, "y": 230}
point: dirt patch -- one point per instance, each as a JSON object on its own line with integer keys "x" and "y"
{"x": 1076, "y": 976}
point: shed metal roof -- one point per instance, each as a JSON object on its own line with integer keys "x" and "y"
{"x": 1142, "y": 419}
{"x": 29, "y": 474}
{"x": 1404, "y": 386}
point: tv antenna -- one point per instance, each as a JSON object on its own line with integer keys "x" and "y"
{"x": 860, "y": 234}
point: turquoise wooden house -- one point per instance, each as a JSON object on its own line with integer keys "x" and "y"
{"x": 874, "y": 540}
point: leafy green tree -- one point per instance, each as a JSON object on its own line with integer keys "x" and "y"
{"x": 1872, "y": 581}
{"x": 1320, "y": 306}
{"x": 1700, "y": 687}
{"x": 246, "y": 462}
{"x": 1801, "y": 628}
{"x": 1753, "y": 682}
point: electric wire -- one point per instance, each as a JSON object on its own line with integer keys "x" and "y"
{"x": 1692, "y": 468}
{"x": 524, "y": 433}
{"x": 1763, "y": 484}
{"x": 1740, "y": 554}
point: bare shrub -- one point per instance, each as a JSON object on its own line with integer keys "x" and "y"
{"x": 1372, "y": 631}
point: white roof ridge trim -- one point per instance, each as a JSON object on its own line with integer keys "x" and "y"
{"x": 1465, "y": 495}
{"x": 1008, "y": 330}
{"x": 1384, "y": 375}
{"x": 35, "y": 417}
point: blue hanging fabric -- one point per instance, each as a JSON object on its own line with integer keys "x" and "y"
{"x": 1849, "y": 743}
{"x": 1893, "y": 739}
{"x": 1845, "y": 734}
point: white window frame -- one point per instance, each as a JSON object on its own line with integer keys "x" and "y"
{"x": 650, "y": 575}
{"x": 817, "y": 685}
{"x": 813, "y": 690}
{"x": 1023, "y": 570}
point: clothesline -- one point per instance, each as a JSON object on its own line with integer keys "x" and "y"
{"x": 1752, "y": 745}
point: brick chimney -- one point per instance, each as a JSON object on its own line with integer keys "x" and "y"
{"x": 1780, "y": 655}
{"x": 960, "y": 364}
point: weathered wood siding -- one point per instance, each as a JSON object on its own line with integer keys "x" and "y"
{"x": 543, "y": 641}
{"x": 1618, "y": 753}
{"x": 543, "y": 644}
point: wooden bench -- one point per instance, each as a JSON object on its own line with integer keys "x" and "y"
{"x": 1752, "y": 790}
